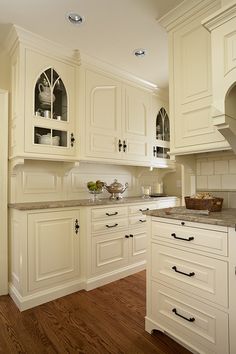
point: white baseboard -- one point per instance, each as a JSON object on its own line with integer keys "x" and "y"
{"x": 42, "y": 296}
{"x": 104, "y": 279}
{"x": 39, "y": 298}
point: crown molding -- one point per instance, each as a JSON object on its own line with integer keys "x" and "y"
{"x": 18, "y": 35}
{"x": 184, "y": 11}
{"x": 221, "y": 16}
{"x": 113, "y": 70}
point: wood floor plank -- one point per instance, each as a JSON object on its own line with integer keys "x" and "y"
{"x": 106, "y": 320}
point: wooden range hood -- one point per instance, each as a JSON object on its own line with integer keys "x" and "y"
{"x": 222, "y": 25}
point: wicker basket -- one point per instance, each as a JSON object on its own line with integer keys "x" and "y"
{"x": 214, "y": 204}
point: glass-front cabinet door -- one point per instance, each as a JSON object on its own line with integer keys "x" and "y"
{"x": 162, "y": 142}
{"x": 49, "y": 106}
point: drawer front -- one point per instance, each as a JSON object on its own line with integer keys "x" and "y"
{"x": 109, "y": 225}
{"x": 109, "y": 213}
{"x": 202, "y": 327}
{"x": 138, "y": 221}
{"x": 211, "y": 241}
{"x": 202, "y": 276}
{"x": 138, "y": 209}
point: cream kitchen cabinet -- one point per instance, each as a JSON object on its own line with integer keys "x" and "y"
{"x": 43, "y": 106}
{"x": 44, "y": 255}
{"x": 116, "y": 120}
{"x": 115, "y": 240}
{"x": 192, "y": 129}
{"x": 188, "y": 284}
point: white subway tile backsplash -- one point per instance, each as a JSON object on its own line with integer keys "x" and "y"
{"x": 232, "y": 166}
{"x": 229, "y": 182}
{"x": 221, "y": 167}
{"x": 201, "y": 182}
{"x": 207, "y": 168}
{"x": 214, "y": 182}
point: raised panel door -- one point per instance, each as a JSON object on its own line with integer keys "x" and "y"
{"x": 192, "y": 87}
{"x": 53, "y": 248}
{"x": 109, "y": 252}
{"x": 103, "y": 116}
{"x": 136, "y": 124}
{"x": 137, "y": 245}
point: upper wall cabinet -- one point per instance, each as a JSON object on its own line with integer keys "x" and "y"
{"x": 192, "y": 129}
{"x": 160, "y": 133}
{"x": 43, "y": 107}
{"x": 222, "y": 26}
{"x": 116, "y": 120}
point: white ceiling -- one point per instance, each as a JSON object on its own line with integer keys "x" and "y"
{"x": 111, "y": 31}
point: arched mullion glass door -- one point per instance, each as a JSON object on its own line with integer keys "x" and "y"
{"x": 51, "y": 100}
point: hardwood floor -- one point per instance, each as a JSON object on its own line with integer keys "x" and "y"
{"x": 109, "y": 319}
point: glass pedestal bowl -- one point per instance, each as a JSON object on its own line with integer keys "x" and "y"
{"x": 95, "y": 194}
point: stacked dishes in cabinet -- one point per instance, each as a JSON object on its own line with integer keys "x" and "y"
{"x": 188, "y": 284}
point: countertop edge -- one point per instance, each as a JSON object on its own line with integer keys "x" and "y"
{"x": 84, "y": 203}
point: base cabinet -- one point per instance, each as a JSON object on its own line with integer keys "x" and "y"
{"x": 116, "y": 240}
{"x": 189, "y": 286}
{"x": 54, "y": 252}
{"x": 45, "y": 255}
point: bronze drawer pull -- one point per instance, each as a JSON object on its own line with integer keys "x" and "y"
{"x": 109, "y": 226}
{"x": 112, "y": 214}
{"x": 181, "y": 238}
{"x": 191, "y": 319}
{"x": 144, "y": 209}
{"x": 142, "y": 220}
{"x": 191, "y": 274}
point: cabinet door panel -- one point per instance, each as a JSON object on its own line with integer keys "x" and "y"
{"x": 192, "y": 86}
{"x": 109, "y": 252}
{"x": 138, "y": 245}
{"x": 136, "y": 124}
{"x": 103, "y": 115}
{"x": 53, "y": 248}
{"x": 36, "y": 64}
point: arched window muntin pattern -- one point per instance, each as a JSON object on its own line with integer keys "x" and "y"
{"x": 50, "y": 98}
{"x": 162, "y": 125}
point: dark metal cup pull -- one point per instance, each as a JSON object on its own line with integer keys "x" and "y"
{"x": 144, "y": 209}
{"x": 109, "y": 226}
{"x": 191, "y": 274}
{"x": 191, "y": 319}
{"x": 142, "y": 220}
{"x": 112, "y": 214}
{"x": 182, "y": 238}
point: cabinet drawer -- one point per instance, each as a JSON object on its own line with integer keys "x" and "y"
{"x": 196, "y": 324}
{"x": 211, "y": 241}
{"x": 108, "y": 213}
{"x": 138, "y": 209}
{"x": 200, "y": 275}
{"x": 110, "y": 225}
{"x": 138, "y": 221}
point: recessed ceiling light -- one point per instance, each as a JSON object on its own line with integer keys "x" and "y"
{"x": 75, "y": 18}
{"x": 140, "y": 53}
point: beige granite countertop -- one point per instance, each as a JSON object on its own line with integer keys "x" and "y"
{"x": 226, "y": 217}
{"x": 82, "y": 203}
